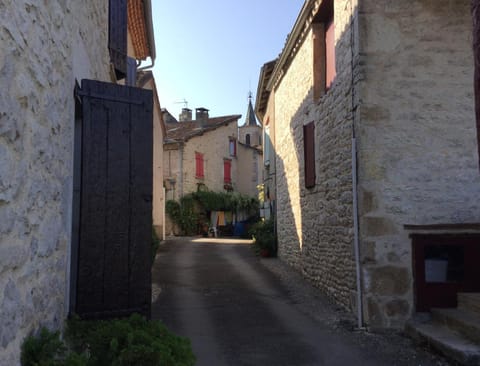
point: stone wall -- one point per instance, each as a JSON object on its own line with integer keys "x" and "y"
{"x": 214, "y": 145}
{"x": 45, "y": 46}
{"x": 315, "y": 225}
{"x": 417, "y": 146}
{"x": 249, "y": 170}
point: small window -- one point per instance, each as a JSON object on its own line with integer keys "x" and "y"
{"x": 247, "y": 139}
{"x": 309, "y": 154}
{"x": 232, "y": 147}
{"x": 199, "y": 173}
{"x": 227, "y": 171}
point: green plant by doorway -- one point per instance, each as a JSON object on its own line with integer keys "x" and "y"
{"x": 263, "y": 234}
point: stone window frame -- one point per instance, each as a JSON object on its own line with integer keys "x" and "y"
{"x": 324, "y": 67}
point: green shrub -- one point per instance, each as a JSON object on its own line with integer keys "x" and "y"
{"x": 183, "y": 214}
{"x": 119, "y": 342}
{"x": 128, "y": 342}
{"x": 263, "y": 233}
{"x": 192, "y": 212}
{"x": 47, "y": 349}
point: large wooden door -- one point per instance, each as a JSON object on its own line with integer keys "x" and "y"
{"x": 113, "y": 263}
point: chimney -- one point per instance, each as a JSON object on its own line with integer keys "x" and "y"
{"x": 201, "y": 115}
{"x": 186, "y": 115}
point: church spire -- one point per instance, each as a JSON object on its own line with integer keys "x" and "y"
{"x": 250, "y": 119}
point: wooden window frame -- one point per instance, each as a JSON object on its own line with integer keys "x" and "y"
{"x": 309, "y": 154}
{"x": 199, "y": 166}
{"x": 227, "y": 170}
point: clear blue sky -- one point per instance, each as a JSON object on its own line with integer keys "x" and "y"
{"x": 210, "y": 52}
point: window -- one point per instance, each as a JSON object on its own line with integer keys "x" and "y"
{"x": 227, "y": 171}
{"x": 247, "y": 139}
{"x": 309, "y": 154}
{"x": 267, "y": 146}
{"x": 324, "y": 70}
{"x": 232, "y": 147}
{"x": 199, "y": 173}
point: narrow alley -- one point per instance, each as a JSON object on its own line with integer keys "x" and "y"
{"x": 239, "y": 310}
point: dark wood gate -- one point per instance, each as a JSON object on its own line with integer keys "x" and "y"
{"x": 113, "y": 260}
{"x": 443, "y": 265}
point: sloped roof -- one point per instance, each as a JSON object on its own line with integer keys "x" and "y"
{"x": 183, "y": 131}
{"x": 140, "y": 28}
{"x": 263, "y": 92}
{"x": 250, "y": 120}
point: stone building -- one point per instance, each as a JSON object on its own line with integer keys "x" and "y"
{"x": 47, "y": 49}
{"x": 250, "y": 153}
{"x": 210, "y": 153}
{"x": 200, "y": 153}
{"x": 370, "y": 112}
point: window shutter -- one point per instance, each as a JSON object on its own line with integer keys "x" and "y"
{"x": 131, "y": 71}
{"x": 330, "y": 54}
{"x": 309, "y": 154}
{"x": 199, "y": 165}
{"x": 117, "y": 36}
{"x": 227, "y": 171}
{"x": 113, "y": 275}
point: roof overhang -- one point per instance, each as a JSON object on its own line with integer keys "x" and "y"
{"x": 140, "y": 27}
{"x": 263, "y": 93}
{"x": 294, "y": 40}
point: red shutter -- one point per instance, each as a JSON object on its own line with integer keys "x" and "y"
{"x": 199, "y": 165}
{"x": 329, "y": 54}
{"x": 309, "y": 154}
{"x": 227, "y": 171}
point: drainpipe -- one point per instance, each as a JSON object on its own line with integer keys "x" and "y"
{"x": 163, "y": 215}
{"x": 356, "y": 234}
{"x": 180, "y": 175}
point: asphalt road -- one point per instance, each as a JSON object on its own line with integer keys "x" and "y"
{"x": 236, "y": 312}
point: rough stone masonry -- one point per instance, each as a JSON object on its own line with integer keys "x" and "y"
{"x": 45, "y": 46}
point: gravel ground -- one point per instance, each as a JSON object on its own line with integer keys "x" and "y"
{"x": 392, "y": 345}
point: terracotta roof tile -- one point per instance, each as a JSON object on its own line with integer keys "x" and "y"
{"x": 186, "y": 130}
{"x": 138, "y": 29}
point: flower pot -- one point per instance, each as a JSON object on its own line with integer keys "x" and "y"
{"x": 264, "y": 253}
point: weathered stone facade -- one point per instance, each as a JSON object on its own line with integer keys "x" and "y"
{"x": 315, "y": 227}
{"x": 404, "y": 90}
{"x": 45, "y": 46}
{"x": 416, "y": 139}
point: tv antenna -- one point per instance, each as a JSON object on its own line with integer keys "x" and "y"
{"x": 184, "y": 102}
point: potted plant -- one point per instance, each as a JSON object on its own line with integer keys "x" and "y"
{"x": 264, "y": 238}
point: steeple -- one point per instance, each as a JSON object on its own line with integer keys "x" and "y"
{"x": 250, "y": 120}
